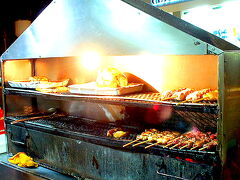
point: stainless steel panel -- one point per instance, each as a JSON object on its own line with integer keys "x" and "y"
{"x": 69, "y": 27}
{"x": 229, "y": 86}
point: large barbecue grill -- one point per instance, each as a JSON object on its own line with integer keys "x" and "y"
{"x": 67, "y": 132}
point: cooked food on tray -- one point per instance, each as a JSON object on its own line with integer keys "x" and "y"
{"x": 190, "y": 95}
{"x": 38, "y": 82}
{"x": 196, "y": 95}
{"x": 169, "y": 93}
{"x": 60, "y": 89}
{"x": 171, "y": 139}
{"x": 53, "y": 84}
{"x": 213, "y": 95}
{"x": 109, "y": 81}
{"x": 111, "y": 78}
{"x": 182, "y": 94}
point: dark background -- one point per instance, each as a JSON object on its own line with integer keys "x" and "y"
{"x": 12, "y": 10}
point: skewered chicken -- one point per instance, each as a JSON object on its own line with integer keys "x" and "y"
{"x": 209, "y": 145}
{"x": 197, "y": 94}
{"x": 160, "y": 137}
{"x": 169, "y": 93}
{"x": 189, "y": 140}
{"x": 211, "y": 96}
{"x": 143, "y": 136}
{"x": 182, "y": 94}
{"x": 189, "y": 94}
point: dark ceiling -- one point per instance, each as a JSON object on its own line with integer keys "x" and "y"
{"x": 12, "y": 10}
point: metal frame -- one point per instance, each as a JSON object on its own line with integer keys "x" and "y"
{"x": 166, "y": 34}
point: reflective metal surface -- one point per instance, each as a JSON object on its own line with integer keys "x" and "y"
{"x": 229, "y": 85}
{"x": 69, "y": 27}
{"x": 10, "y": 171}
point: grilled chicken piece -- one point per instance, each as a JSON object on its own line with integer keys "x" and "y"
{"x": 211, "y": 96}
{"x": 197, "y": 94}
{"x": 110, "y": 132}
{"x": 182, "y": 94}
{"x": 119, "y": 134}
{"x": 169, "y": 93}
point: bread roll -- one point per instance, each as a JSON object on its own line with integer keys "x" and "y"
{"x": 111, "y": 77}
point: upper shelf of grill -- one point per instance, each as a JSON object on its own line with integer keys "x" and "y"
{"x": 140, "y": 99}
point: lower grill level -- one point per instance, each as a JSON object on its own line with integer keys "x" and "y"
{"x": 95, "y": 132}
{"x": 82, "y": 159}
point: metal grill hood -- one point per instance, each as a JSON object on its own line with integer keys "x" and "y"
{"x": 113, "y": 27}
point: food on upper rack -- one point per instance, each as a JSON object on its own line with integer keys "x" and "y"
{"x": 171, "y": 139}
{"x": 111, "y": 77}
{"x": 40, "y": 83}
{"x": 117, "y": 133}
{"x": 38, "y": 78}
{"x": 53, "y": 90}
{"x": 53, "y": 84}
{"x": 211, "y": 96}
{"x": 190, "y": 95}
{"x": 23, "y": 160}
{"x": 182, "y": 94}
{"x": 197, "y": 94}
{"x": 169, "y": 93}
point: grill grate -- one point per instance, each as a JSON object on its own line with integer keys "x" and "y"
{"x": 148, "y": 97}
{"x": 203, "y": 121}
{"x": 98, "y": 130}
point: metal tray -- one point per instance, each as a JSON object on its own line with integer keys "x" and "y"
{"x": 92, "y": 89}
{"x": 37, "y": 84}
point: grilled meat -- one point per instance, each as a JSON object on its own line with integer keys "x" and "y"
{"x": 197, "y": 94}
{"x": 211, "y": 96}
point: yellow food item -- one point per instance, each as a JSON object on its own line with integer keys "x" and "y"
{"x": 22, "y": 160}
{"x": 119, "y": 134}
{"x": 38, "y": 78}
{"x": 53, "y": 90}
{"x": 111, "y": 77}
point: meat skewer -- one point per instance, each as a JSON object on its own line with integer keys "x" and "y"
{"x": 160, "y": 137}
{"x": 212, "y": 143}
{"x": 195, "y": 95}
{"x": 190, "y": 140}
{"x": 125, "y": 145}
{"x": 188, "y": 143}
{"x": 151, "y": 138}
{"x": 164, "y": 138}
{"x": 182, "y": 94}
{"x": 179, "y": 143}
{"x": 172, "y": 142}
{"x": 143, "y": 136}
{"x": 210, "y": 96}
{"x": 141, "y": 143}
{"x": 199, "y": 143}
{"x": 167, "y": 95}
{"x": 185, "y": 137}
